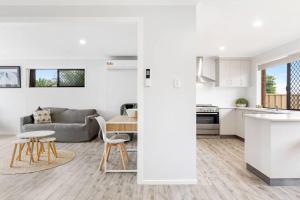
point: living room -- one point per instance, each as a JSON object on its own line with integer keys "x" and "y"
{"x": 75, "y": 71}
{"x": 57, "y": 46}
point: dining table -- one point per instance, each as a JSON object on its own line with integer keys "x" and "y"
{"x": 122, "y": 124}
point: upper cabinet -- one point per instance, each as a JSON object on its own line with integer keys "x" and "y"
{"x": 233, "y": 72}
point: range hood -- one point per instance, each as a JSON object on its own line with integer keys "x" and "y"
{"x": 201, "y": 68}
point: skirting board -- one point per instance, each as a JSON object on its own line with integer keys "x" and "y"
{"x": 170, "y": 182}
{"x": 274, "y": 181}
{"x": 232, "y": 136}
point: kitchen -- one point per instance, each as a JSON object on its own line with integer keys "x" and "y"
{"x": 223, "y": 81}
{"x": 226, "y": 112}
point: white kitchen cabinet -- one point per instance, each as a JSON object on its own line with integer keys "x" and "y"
{"x": 240, "y": 123}
{"x": 223, "y": 67}
{"x": 232, "y": 121}
{"x": 233, "y": 72}
{"x": 245, "y": 73}
{"x": 227, "y": 121}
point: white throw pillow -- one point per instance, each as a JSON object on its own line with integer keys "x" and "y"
{"x": 42, "y": 117}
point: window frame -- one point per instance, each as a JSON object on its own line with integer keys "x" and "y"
{"x": 57, "y": 77}
{"x": 288, "y": 88}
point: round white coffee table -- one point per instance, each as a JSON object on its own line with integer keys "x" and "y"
{"x": 34, "y": 136}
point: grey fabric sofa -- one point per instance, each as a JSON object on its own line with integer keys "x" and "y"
{"x": 70, "y": 125}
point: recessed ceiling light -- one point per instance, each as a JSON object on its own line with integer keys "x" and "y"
{"x": 82, "y": 41}
{"x": 222, "y": 48}
{"x": 257, "y": 23}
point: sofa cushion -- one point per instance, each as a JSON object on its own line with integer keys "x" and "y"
{"x": 42, "y": 116}
{"x": 37, "y": 127}
{"x": 62, "y": 126}
{"x": 60, "y": 115}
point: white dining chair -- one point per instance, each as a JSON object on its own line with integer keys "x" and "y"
{"x": 109, "y": 142}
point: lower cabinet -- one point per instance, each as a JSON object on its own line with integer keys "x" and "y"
{"x": 227, "y": 121}
{"x": 240, "y": 123}
{"x": 232, "y": 121}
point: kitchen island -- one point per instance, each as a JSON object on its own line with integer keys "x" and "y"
{"x": 272, "y": 147}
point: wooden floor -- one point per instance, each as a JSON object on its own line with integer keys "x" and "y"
{"x": 221, "y": 175}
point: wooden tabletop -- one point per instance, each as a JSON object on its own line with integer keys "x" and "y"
{"x": 122, "y": 124}
{"x": 122, "y": 119}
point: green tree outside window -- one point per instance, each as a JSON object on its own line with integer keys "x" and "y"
{"x": 271, "y": 85}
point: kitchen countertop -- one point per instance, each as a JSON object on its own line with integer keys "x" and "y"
{"x": 266, "y": 110}
{"x": 276, "y": 117}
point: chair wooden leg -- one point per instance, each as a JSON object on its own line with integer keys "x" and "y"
{"x": 54, "y": 148}
{"x": 125, "y": 153}
{"x": 108, "y": 152}
{"x": 13, "y": 156}
{"x": 30, "y": 153}
{"x": 122, "y": 155}
{"x": 103, "y": 157}
{"x": 48, "y": 149}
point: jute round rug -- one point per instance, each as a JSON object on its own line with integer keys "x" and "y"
{"x": 23, "y": 167}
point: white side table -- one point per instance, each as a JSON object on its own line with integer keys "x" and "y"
{"x": 34, "y": 136}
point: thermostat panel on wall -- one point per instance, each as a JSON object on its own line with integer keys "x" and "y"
{"x": 148, "y": 78}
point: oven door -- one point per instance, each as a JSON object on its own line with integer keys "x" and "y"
{"x": 207, "y": 123}
{"x": 207, "y": 118}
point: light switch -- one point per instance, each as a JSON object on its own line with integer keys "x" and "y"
{"x": 177, "y": 83}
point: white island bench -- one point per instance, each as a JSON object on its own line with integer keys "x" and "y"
{"x": 272, "y": 147}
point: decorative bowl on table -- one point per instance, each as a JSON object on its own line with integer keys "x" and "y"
{"x": 132, "y": 112}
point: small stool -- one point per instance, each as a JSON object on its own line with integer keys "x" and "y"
{"x": 21, "y": 143}
{"x": 50, "y": 145}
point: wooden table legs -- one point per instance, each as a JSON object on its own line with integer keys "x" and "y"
{"x": 21, "y": 144}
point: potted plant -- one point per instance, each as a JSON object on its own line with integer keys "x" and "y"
{"x": 241, "y": 102}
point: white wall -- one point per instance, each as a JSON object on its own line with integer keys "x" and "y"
{"x": 219, "y": 96}
{"x": 169, "y": 140}
{"x": 254, "y": 92}
{"x": 105, "y": 91}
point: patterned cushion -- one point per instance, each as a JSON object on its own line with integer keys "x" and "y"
{"x": 42, "y": 117}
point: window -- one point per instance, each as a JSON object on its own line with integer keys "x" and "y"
{"x": 281, "y": 86}
{"x": 274, "y": 82}
{"x": 57, "y": 78}
{"x": 293, "y": 85}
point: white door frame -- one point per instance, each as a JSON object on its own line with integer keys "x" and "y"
{"x": 140, "y": 68}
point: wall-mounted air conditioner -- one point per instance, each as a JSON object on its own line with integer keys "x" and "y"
{"x": 121, "y": 64}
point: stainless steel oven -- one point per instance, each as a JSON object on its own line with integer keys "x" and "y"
{"x": 207, "y": 120}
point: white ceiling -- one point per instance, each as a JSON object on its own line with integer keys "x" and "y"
{"x": 98, "y": 2}
{"x": 229, "y": 23}
{"x": 61, "y": 40}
